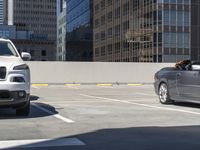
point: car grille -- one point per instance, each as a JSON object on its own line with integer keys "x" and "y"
{"x": 5, "y": 95}
{"x": 2, "y": 73}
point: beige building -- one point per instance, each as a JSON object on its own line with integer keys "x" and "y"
{"x": 142, "y": 30}
{"x": 109, "y": 40}
{"x": 38, "y": 17}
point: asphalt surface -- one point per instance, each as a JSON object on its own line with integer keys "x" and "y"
{"x": 101, "y": 118}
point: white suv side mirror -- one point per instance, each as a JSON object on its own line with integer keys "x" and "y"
{"x": 26, "y": 56}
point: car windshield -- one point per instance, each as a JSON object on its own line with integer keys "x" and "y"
{"x": 6, "y": 49}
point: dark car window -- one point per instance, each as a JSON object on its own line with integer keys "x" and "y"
{"x": 6, "y": 49}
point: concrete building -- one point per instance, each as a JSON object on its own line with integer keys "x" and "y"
{"x": 61, "y": 30}
{"x": 142, "y": 30}
{"x": 39, "y": 50}
{"x": 79, "y": 45}
{"x": 38, "y": 18}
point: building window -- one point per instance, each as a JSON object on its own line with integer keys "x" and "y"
{"x": 117, "y": 47}
{"x": 109, "y": 48}
{"x": 173, "y": 17}
{"x": 187, "y": 18}
{"x": 97, "y": 37}
{"x": 109, "y": 33}
{"x": 109, "y": 2}
{"x": 117, "y": 30}
{"x": 103, "y": 51}
{"x": 103, "y": 20}
{"x": 96, "y": 8}
{"x": 102, "y": 4}
{"x": 126, "y": 8}
{"x": 44, "y": 53}
{"x": 96, "y": 22}
{"x": 109, "y": 16}
{"x": 117, "y": 12}
{"x": 96, "y": 52}
{"x": 103, "y": 35}
{"x": 125, "y": 26}
{"x": 125, "y": 45}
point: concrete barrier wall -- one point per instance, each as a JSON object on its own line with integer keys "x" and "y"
{"x": 93, "y": 72}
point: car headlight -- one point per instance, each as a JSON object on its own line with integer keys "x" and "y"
{"x": 21, "y": 67}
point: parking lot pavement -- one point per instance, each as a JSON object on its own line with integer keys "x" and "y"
{"x": 87, "y": 117}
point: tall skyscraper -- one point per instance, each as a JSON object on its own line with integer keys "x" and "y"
{"x": 61, "y": 30}
{"x": 39, "y": 18}
{"x": 1, "y": 11}
{"x": 195, "y": 30}
{"x": 36, "y": 16}
{"x": 79, "y": 25}
{"x": 142, "y": 30}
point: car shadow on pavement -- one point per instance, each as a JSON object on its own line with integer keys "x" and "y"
{"x": 36, "y": 110}
{"x": 135, "y": 138}
{"x": 187, "y": 104}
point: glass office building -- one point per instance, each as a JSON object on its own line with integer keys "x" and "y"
{"x": 195, "y": 30}
{"x": 79, "y": 30}
{"x": 176, "y": 29}
{"x": 61, "y": 30}
{"x": 142, "y": 30}
{"x": 1, "y": 12}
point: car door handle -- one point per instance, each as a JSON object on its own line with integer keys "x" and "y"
{"x": 196, "y": 74}
{"x": 178, "y": 74}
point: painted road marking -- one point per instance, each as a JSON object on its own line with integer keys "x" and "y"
{"x": 106, "y": 84}
{"x": 40, "y": 85}
{"x": 53, "y": 114}
{"x": 72, "y": 84}
{"x": 143, "y": 105}
{"x": 135, "y": 84}
{"x": 41, "y": 143}
{"x": 35, "y": 87}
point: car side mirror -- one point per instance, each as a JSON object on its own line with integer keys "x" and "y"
{"x": 196, "y": 67}
{"x": 26, "y": 56}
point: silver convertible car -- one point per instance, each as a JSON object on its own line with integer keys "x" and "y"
{"x": 180, "y": 83}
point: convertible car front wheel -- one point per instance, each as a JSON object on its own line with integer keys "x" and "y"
{"x": 164, "y": 94}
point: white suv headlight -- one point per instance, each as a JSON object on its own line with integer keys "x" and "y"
{"x": 21, "y": 67}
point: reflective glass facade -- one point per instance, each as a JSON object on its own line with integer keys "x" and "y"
{"x": 195, "y": 30}
{"x": 78, "y": 14}
{"x": 61, "y": 30}
{"x": 176, "y": 21}
{"x": 79, "y": 30}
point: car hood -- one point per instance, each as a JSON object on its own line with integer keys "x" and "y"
{"x": 10, "y": 61}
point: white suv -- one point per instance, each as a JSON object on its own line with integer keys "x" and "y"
{"x": 14, "y": 78}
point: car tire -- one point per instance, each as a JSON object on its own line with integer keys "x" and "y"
{"x": 23, "y": 111}
{"x": 163, "y": 94}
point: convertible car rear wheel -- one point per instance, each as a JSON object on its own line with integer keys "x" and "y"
{"x": 164, "y": 94}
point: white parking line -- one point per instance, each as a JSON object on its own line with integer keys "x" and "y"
{"x": 41, "y": 143}
{"x": 144, "y": 105}
{"x": 53, "y": 114}
{"x": 35, "y": 87}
